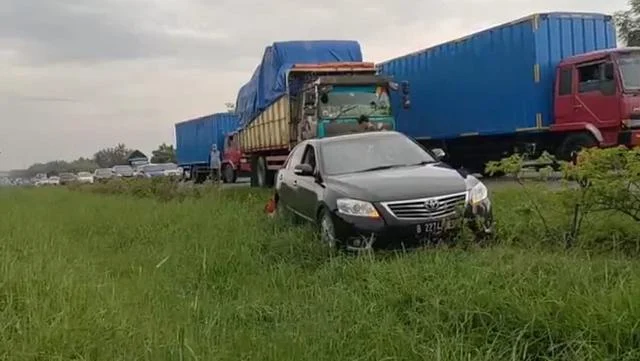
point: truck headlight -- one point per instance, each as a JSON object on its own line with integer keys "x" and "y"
{"x": 477, "y": 192}
{"x": 353, "y": 207}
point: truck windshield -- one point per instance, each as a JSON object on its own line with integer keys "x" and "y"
{"x": 630, "y": 71}
{"x": 354, "y": 101}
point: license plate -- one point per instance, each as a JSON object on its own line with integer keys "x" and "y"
{"x": 433, "y": 227}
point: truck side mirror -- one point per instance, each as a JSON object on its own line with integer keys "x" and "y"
{"x": 406, "y": 103}
{"x": 309, "y": 111}
{"x": 405, "y": 87}
{"x": 608, "y": 71}
{"x": 608, "y": 87}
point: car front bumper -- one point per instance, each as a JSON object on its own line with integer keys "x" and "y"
{"x": 389, "y": 232}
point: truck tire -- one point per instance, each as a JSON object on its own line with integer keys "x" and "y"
{"x": 229, "y": 175}
{"x": 198, "y": 175}
{"x": 574, "y": 143}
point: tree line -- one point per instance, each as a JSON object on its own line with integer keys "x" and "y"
{"x": 104, "y": 158}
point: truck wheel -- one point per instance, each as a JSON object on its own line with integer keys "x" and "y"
{"x": 200, "y": 176}
{"x": 574, "y": 143}
{"x": 228, "y": 174}
{"x": 261, "y": 172}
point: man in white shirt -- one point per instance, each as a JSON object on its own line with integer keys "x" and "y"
{"x": 215, "y": 163}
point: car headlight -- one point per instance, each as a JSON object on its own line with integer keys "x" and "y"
{"x": 353, "y": 207}
{"x": 476, "y": 191}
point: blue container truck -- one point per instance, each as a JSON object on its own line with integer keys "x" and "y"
{"x": 194, "y": 138}
{"x": 549, "y": 82}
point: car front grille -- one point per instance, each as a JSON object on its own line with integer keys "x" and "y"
{"x": 427, "y": 208}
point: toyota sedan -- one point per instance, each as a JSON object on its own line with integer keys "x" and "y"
{"x": 380, "y": 190}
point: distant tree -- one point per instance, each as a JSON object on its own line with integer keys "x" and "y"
{"x": 628, "y": 22}
{"x": 164, "y": 154}
{"x": 108, "y": 157}
{"x": 59, "y": 166}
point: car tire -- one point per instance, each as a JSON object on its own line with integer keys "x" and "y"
{"x": 327, "y": 231}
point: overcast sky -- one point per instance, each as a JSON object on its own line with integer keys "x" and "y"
{"x": 79, "y": 75}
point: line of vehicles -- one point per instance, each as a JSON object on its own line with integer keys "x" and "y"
{"x": 551, "y": 82}
{"x": 147, "y": 170}
{"x": 554, "y": 82}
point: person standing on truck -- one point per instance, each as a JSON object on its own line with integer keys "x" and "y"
{"x": 214, "y": 163}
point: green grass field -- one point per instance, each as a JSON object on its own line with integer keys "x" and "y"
{"x": 87, "y": 276}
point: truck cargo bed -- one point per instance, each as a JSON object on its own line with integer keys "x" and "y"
{"x": 497, "y": 81}
{"x": 269, "y": 130}
{"x": 194, "y": 137}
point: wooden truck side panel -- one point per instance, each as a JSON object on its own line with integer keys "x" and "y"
{"x": 269, "y": 131}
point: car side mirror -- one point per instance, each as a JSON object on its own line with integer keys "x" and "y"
{"x": 304, "y": 170}
{"x": 438, "y": 153}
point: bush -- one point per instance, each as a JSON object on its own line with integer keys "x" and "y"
{"x": 596, "y": 206}
{"x": 164, "y": 189}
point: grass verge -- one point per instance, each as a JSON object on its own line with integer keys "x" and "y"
{"x": 91, "y": 277}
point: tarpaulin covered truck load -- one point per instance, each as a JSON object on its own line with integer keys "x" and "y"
{"x": 194, "y": 138}
{"x": 551, "y": 81}
{"x": 303, "y": 89}
{"x": 270, "y": 79}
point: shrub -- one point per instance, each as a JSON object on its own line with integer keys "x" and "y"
{"x": 600, "y": 191}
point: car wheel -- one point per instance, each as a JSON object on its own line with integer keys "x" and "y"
{"x": 328, "y": 232}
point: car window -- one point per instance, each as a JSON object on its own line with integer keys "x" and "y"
{"x": 295, "y": 157}
{"x": 309, "y": 157}
{"x": 350, "y": 155}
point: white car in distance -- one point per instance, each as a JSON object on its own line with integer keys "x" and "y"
{"x": 85, "y": 177}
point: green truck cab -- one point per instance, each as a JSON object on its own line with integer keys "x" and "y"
{"x": 335, "y": 105}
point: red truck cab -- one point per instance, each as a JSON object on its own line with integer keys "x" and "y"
{"x": 597, "y": 100}
{"x": 234, "y": 163}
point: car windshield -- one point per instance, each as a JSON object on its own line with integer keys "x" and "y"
{"x": 84, "y": 174}
{"x": 122, "y": 168}
{"x": 66, "y": 175}
{"x": 379, "y": 151}
{"x": 105, "y": 171}
{"x": 630, "y": 71}
{"x": 354, "y": 101}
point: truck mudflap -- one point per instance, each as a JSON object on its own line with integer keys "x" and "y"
{"x": 629, "y": 138}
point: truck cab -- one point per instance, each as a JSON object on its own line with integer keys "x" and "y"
{"x": 334, "y": 105}
{"x": 597, "y": 100}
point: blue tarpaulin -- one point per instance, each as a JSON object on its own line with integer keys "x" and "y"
{"x": 269, "y": 80}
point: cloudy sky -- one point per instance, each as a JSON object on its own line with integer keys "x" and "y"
{"x": 78, "y": 75}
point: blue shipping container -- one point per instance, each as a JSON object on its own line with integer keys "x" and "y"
{"x": 194, "y": 137}
{"x": 495, "y": 81}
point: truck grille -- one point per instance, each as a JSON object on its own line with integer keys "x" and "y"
{"x": 427, "y": 208}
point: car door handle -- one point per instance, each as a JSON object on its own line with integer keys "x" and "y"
{"x": 295, "y": 183}
{"x": 577, "y": 106}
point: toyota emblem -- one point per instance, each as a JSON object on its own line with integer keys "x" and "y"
{"x": 432, "y": 204}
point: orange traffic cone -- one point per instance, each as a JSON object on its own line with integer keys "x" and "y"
{"x": 270, "y": 207}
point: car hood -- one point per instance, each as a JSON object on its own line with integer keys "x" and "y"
{"x": 400, "y": 183}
